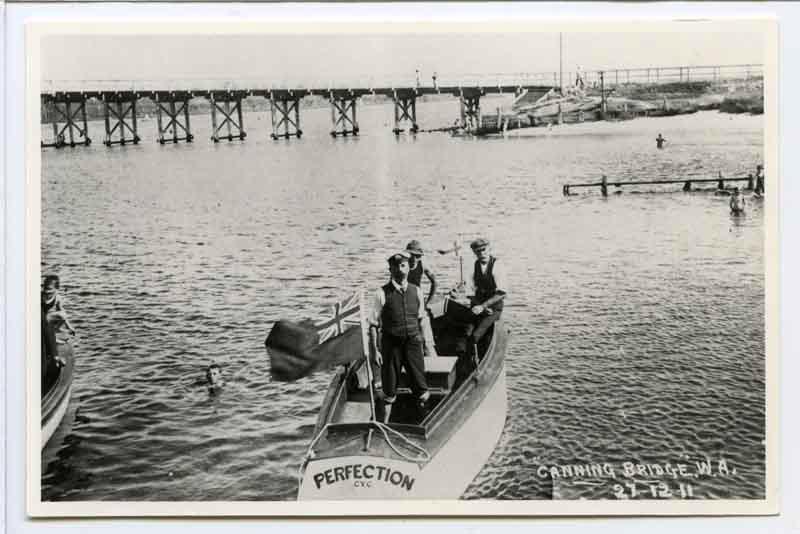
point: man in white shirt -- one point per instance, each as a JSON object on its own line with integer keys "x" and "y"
{"x": 397, "y": 309}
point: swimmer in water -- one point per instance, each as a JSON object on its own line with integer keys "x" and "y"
{"x": 214, "y": 381}
{"x": 737, "y": 202}
{"x": 660, "y": 141}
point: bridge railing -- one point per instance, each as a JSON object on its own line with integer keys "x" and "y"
{"x": 611, "y": 78}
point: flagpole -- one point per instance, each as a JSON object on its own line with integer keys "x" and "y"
{"x": 460, "y": 259}
{"x": 560, "y": 63}
{"x": 365, "y": 346}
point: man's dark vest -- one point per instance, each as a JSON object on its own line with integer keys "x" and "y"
{"x": 485, "y": 286}
{"x": 415, "y": 274}
{"x": 400, "y": 314}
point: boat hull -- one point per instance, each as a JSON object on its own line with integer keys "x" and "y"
{"x": 445, "y": 476}
{"x": 56, "y": 400}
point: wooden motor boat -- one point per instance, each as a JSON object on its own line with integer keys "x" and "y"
{"x": 430, "y": 453}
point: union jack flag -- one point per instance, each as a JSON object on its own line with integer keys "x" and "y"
{"x": 339, "y": 318}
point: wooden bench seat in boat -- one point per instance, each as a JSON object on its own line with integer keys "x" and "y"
{"x": 440, "y": 373}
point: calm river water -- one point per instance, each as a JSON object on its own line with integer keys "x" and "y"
{"x": 637, "y": 321}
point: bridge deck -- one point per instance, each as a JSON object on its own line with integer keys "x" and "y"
{"x": 281, "y": 94}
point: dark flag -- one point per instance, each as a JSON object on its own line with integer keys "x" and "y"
{"x": 297, "y": 349}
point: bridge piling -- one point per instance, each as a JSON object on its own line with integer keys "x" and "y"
{"x": 71, "y": 136}
{"x": 232, "y": 103}
{"x": 282, "y": 110}
{"x": 133, "y": 121}
{"x": 178, "y": 104}
{"x": 405, "y": 109}
{"x": 188, "y": 129}
{"x": 125, "y": 105}
{"x": 227, "y": 122}
{"x": 53, "y": 108}
{"x": 343, "y": 115}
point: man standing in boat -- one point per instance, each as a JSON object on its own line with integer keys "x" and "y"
{"x": 487, "y": 288}
{"x": 415, "y": 271}
{"x": 398, "y": 310}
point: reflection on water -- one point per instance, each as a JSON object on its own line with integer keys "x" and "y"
{"x": 636, "y": 320}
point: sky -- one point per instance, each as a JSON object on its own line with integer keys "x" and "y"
{"x": 318, "y": 59}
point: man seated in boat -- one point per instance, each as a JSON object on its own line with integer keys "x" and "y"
{"x": 487, "y": 287}
{"x": 415, "y": 271}
{"x": 397, "y": 311}
{"x": 53, "y": 318}
{"x": 53, "y": 304}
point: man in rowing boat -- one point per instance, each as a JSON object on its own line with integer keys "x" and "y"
{"x": 397, "y": 311}
{"x": 487, "y": 287}
{"x": 415, "y": 272}
{"x": 53, "y": 318}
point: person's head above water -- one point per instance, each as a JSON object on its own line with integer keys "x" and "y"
{"x": 214, "y": 376}
{"x": 50, "y": 286}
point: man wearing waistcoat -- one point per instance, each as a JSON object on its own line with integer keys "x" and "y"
{"x": 397, "y": 310}
{"x": 487, "y": 288}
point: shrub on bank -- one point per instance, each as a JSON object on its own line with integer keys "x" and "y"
{"x": 743, "y": 104}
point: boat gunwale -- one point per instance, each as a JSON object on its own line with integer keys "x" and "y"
{"x": 493, "y": 359}
{"x": 441, "y": 413}
{"x": 61, "y": 387}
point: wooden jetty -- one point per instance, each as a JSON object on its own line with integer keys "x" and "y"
{"x": 604, "y": 183}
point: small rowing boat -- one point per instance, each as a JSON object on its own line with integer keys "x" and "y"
{"x": 56, "y": 390}
{"x": 433, "y": 454}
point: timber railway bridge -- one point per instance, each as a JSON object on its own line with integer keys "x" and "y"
{"x": 64, "y": 104}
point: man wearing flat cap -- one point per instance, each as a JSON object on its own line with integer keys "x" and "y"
{"x": 487, "y": 288}
{"x": 415, "y": 271}
{"x": 397, "y": 311}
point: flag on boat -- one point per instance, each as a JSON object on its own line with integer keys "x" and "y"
{"x": 339, "y": 318}
{"x": 297, "y": 349}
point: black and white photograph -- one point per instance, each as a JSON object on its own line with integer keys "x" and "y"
{"x": 500, "y": 269}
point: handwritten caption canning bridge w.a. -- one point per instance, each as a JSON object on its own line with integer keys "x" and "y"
{"x": 634, "y": 480}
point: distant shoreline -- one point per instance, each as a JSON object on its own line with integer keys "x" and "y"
{"x": 670, "y": 99}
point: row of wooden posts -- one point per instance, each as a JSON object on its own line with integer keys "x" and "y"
{"x": 754, "y": 183}
{"x": 67, "y": 113}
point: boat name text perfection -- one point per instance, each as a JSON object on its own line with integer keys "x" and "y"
{"x": 363, "y": 475}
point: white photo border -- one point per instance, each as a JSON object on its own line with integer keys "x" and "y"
{"x": 36, "y": 508}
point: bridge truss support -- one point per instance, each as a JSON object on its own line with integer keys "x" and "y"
{"x": 231, "y": 104}
{"x": 281, "y": 111}
{"x": 470, "y": 111}
{"x": 405, "y": 109}
{"x": 343, "y": 115}
{"x": 68, "y": 111}
{"x": 120, "y": 109}
{"x": 173, "y": 106}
